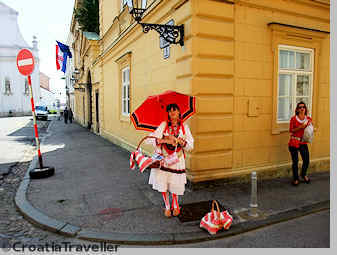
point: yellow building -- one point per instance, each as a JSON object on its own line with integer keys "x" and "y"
{"x": 247, "y": 62}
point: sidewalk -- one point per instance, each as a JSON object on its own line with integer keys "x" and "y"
{"x": 95, "y": 196}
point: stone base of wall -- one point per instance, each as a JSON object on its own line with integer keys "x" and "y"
{"x": 263, "y": 173}
{"x": 117, "y": 140}
{"x": 80, "y": 122}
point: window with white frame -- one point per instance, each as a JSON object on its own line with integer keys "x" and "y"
{"x": 295, "y": 79}
{"x": 8, "y": 89}
{"x": 126, "y": 91}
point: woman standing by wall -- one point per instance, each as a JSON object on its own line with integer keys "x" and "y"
{"x": 173, "y": 136}
{"x": 297, "y": 125}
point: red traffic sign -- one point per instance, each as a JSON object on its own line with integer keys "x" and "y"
{"x": 25, "y": 62}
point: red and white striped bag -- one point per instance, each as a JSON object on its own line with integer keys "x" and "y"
{"x": 216, "y": 220}
{"x": 142, "y": 161}
{"x": 226, "y": 219}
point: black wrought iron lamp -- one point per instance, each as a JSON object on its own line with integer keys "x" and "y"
{"x": 172, "y": 34}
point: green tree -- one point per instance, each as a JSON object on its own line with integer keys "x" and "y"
{"x": 87, "y": 15}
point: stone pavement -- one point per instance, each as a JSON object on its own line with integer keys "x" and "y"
{"x": 95, "y": 196}
{"x": 15, "y": 134}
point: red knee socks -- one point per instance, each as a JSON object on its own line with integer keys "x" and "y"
{"x": 166, "y": 200}
{"x": 175, "y": 203}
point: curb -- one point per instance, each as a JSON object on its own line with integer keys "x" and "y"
{"x": 31, "y": 213}
{"x": 35, "y": 216}
{"x": 199, "y": 236}
{"x": 43, "y": 221}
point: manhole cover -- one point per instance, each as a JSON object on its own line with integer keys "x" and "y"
{"x": 195, "y": 211}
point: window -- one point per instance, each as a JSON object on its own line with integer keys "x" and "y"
{"x": 8, "y": 90}
{"x": 295, "y": 70}
{"x": 295, "y": 79}
{"x": 126, "y": 91}
{"x": 124, "y": 86}
{"x": 26, "y": 87}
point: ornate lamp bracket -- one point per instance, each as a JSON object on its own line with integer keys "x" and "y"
{"x": 137, "y": 14}
{"x": 172, "y": 34}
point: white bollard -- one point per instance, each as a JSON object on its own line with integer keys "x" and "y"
{"x": 253, "y": 197}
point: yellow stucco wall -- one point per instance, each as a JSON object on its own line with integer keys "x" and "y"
{"x": 80, "y": 109}
{"x": 228, "y": 62}
{"x": 150, "y": 73}
{"x": 255, "y": 142}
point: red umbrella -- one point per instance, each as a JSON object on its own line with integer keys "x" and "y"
{"x": 152, "y": 111}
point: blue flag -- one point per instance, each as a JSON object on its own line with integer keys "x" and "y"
{"x": 62, "y": 54}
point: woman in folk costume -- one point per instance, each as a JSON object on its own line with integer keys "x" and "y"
{"x": 296, "y": 128}
{"x": 172, "y": 136}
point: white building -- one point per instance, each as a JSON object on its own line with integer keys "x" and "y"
{"x": 14, "y": 90}
{"x": 48, "y": 98}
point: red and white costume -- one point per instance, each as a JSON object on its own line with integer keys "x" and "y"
{"x": 170, "y": 178}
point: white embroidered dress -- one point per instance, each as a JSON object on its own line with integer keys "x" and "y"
{"x": 161, "y": 180}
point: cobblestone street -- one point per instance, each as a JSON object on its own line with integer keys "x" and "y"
{"x": 13, "y": 227}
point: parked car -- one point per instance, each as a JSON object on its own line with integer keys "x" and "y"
{"x": 52, "y": 111}
{"x": 41, "y": 112}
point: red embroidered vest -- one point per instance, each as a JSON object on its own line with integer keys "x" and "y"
{"x": 169, "y": 148}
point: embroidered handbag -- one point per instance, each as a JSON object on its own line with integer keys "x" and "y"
{"x": 172, "y": 159}
{"x": 216, "y": 220}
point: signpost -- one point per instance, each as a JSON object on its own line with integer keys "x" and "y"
{"x": 165, "y": 45}
{"x": 25, "y": 63}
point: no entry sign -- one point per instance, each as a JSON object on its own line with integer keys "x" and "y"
{"x": 25, "y": 62}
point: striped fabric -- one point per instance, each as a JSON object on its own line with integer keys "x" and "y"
{"x": 226, "y": 219}
{"x": 142, "y": 161}
{"x": 132, "y": 161}
{"x": 213, "y": 222}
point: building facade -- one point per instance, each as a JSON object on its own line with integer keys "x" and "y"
{"x": 70, "y": 76}
{"x": 48, "y": 98}
{"x": 44, "y": 81}
{"x": 14, "y": 88}
{"x": 88, "y": 85}
{"x": 248, "y": 62}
